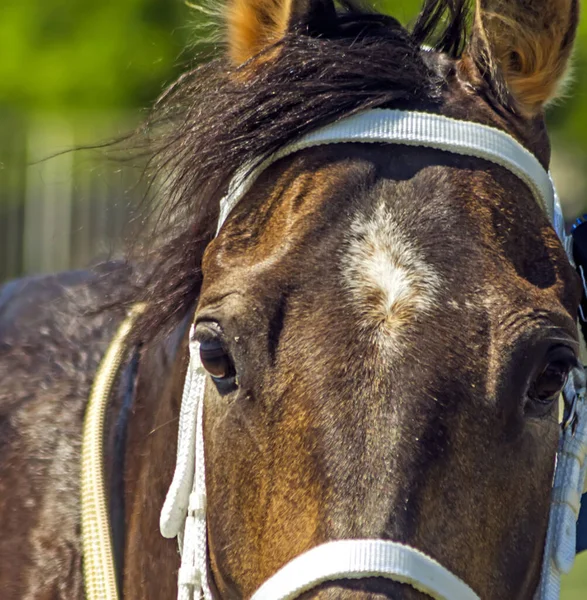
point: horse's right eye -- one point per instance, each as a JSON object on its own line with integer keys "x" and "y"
{"x": 216, "y": 360}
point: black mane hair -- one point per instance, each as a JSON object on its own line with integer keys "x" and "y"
{"x": 217, "y": 118}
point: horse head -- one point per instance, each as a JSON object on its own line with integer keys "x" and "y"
{"x": 387, "y": 329}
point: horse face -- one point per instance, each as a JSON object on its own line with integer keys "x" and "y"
{"x": 387, "y": 363}
{"x": 388, "y": 330}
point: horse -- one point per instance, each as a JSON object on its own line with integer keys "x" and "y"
{"x": 386, "y": 328}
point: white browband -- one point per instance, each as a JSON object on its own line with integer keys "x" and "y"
{"x": 413, "y": 129}
{"x": 184, "y": 511}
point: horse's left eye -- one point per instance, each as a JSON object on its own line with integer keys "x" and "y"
{"x": 216, "y": 360}
{"x": 550, "y": 383}
{"x": 548, "y": 386}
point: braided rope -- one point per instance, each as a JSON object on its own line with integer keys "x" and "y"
{"x": 98, "y": 561}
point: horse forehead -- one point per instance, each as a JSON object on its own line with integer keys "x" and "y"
{"x": 388, "y": 278}
{"x": 371, "y": 229}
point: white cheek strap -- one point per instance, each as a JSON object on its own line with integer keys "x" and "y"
{"x": 184, "y": 512}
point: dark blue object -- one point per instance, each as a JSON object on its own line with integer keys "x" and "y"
{"x": 579, "y": 233}
{"x": 582, "y": 526}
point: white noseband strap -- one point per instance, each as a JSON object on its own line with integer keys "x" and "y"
{"x": 361, "y": 559}
{"x": 184, "y": 512}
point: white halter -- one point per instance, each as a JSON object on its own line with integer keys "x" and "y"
{"x": 184, "y": 512}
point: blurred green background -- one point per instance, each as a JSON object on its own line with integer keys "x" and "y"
{"x": 79, "y": 71}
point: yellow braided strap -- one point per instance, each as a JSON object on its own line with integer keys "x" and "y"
{"x": 98, "y": 559}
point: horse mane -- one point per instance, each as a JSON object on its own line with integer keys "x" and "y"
{"x": 216, "y": 118}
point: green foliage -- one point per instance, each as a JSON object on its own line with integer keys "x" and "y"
{"x": 575, "y": 585}
{"x": 63, "y": 54}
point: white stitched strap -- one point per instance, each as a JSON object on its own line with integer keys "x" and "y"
{"x": 414, "y": 129}
{"x": 174, "y": 511}
{"x": 184, "y": 511}
{"x": 198, "y": 501}
{"x": 360, "y": 559}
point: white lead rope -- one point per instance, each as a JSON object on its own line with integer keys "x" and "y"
{"x": 184, "y": 512}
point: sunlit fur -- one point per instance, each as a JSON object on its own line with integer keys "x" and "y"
{"x": 529, "y": 43}
{"x": 253, "y": 25}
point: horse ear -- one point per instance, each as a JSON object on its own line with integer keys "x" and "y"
{"x": 528, "y": 43}
{"x": 255, "y": 24}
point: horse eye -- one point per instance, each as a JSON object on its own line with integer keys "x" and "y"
{"x": 550, "y": 383}
{"x": 548, "y": 386}
{"x": 216, "y": 360}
